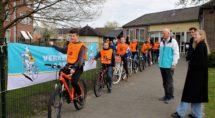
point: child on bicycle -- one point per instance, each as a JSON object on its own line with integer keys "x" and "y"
{"x": 108, "y": 62}
{"x": 123, "y": 50}
{"x": 156, "y": 51}
{"x": 149, "y": 54}
{"x": 134, "y": 50}
{"x": 144, "y": 52}
{"x": 76, "y": 55}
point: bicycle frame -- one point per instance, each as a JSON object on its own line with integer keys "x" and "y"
{"x": 102, "y": 72}
{"x": 62, "y": 79}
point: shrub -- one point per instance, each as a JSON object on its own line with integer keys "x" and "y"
{"x": 211, "y": 60}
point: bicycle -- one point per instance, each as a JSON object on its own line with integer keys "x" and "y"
{"x": 130, "y": 66}
{"x": 100, "y": 81}
{"x": 63, "y": 91}
{"x": 140, "y": 62}
{"x": 135, "y": 65}
{"x": 119, "y": 72}
{"x": 143, "y": 61}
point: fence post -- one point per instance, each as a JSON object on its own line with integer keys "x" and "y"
{"x": 3, "y": 55}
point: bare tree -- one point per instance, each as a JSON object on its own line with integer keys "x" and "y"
{"x": 112, "y": 24}
{"x": 191, "y": 2}
{"x": 62, "y": 12}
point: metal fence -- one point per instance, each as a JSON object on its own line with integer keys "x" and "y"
{"x": 31, "y": 101}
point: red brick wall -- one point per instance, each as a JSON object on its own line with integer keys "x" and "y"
{"x": 209, "y": 27}
{"x": 20, "y": 26}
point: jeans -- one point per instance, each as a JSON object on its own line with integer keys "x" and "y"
{"x": 196, "y": 109}
{"x": 134, "y": 57}
{"x": 109, "y": 76}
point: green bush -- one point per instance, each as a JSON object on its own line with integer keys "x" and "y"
{"x": 211, "y": 60}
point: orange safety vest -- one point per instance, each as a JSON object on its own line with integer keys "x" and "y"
{"x": 133, "y": 46}
{"x": 149, "y": 46}
{"x": 73, "y": 52}
{"x": 144, "y": 48}
{"x": 156, "y": 46}
{"x": 121, "y": 48}
{"x": 106, "y": 56}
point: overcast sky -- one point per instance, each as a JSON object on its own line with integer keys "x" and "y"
{"x": 124, "y": 11}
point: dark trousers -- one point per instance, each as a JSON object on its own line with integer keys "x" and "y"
{"x": 167, "y": 75}
{"x": 75, "y": 78}
{"x": 155, "y": 56}
{"x": 125, "y": 65}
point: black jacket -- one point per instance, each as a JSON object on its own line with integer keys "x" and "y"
{"x": 190, "y": 50}
{"x": 196, "y": 85}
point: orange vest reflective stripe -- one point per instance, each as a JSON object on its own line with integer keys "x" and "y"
{"x": 73, "y": 52}
{"x": 133, "y": 46}
{"x": 156, "y": 46}
{"x": 144, "y": 48}
{"x": 106, "y": 56}
{"x": 121, "y": 49}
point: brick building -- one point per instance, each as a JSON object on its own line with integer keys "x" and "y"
{"x": 207, "y": 21}
{"x": 13, "y": 34}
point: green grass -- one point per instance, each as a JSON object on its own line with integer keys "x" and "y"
{"x": 25, "y": 102}
{"x": 210, "y": 107}
{"x": 31, "y": 101}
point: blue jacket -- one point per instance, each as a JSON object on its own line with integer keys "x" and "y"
{"x": 169, "y": 53}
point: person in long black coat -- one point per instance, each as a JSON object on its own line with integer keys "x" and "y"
{"x": 196, "y": 84}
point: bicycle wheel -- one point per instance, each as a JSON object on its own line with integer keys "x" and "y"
{"x": 79, "y": 104}
{"x": 135, "y": 66}
{"x": 130, "y": 67}
{"x": 144, "y": 63}
{"x": 55, "y": 104}
{"x": 123, "y": 74}
{"x": 117, "y": 74}
{"x": 98, "y": 85}
{"x": 140, "y": 65}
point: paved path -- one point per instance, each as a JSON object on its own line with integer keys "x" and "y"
{"x": 137, "y": 98}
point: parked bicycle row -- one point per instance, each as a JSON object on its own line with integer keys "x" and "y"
{"x": 118, "y": 62}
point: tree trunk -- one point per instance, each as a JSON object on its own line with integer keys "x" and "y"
{"x": 3, "y": 60}
{"x": 2, "y": 20}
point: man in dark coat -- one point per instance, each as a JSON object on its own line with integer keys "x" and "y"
{"x": 190, "y": 50}
{"x": 196, "y": 85}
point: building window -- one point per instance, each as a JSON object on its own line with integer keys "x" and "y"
{"x": 138, "y": 34}
{"x": 131, "y": 34}
{"x": 155, "y": 36}
{"x": 127, "y": 33}
{"x": 188, "y": 37}
{"x": 142, "y": 35}
{"x": 7, "y": 35}
{"x": 8, "y": 16}
{"x": 22, "y": 1}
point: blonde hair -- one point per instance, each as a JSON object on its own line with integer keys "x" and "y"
{"x": 203, "y": 38}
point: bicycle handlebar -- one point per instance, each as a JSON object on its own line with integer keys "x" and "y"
{"x": 53, "y": 66}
